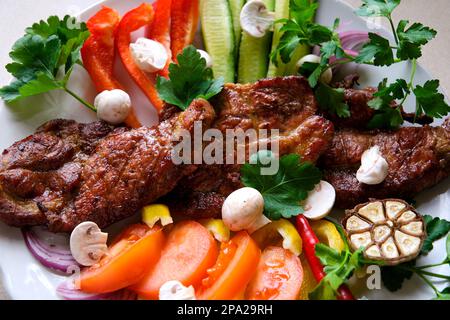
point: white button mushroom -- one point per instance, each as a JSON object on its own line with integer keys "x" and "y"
{"x": 244, "y": 210}
{"x": 320, "y": 201}
{"x": 175, "y": 290}
{"x": 113, "y": 106}
{"x": 374, "y": 168}
{"x": 326, "y": 77}
{"x": 88, "y": 243}
{"x": 149, "y": 55}
{"x": 205, "y": 55}
{"x": 255, "y": 19}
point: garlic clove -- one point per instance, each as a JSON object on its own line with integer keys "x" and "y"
{"x": 361, "y": 239}
{"x": 381, "y": 233}
{"x": 389, "y": 249}
{"x": 373, "y": 252}
{"x": 355, "y": 223}
{"x": 407, "y": 244}
{"x": 406, "y": 217}
{"x": 414, "y": 228}
{"x": 373, "y": 211}
{"x": 393, "y": 208}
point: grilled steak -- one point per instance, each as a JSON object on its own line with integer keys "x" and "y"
{"x": 67, "y": 173}
{"x": 287, "y": 104}
{"x": 418, "y": 158}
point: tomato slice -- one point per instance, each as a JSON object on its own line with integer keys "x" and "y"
{"x": 279, "y": 276}
{"x": 132, "y": 254}
{"x": 188, "y": 253}
{"x": 235, "y": 267}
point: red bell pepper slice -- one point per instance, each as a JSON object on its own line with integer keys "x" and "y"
{"x": 135, "y": 19}
{"x": 309, "y": 248}
{"x": 98, "y": 54}
{"x": 160, "y": 29}
{"x": 185, "y": 17}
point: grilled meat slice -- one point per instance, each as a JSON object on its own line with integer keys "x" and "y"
{"x": 418, "y": 158}
{"x": 287, "y": 104}
{"x": 66, "y": 174}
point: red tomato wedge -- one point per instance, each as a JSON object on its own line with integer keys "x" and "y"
{"x": 279, "y": 276}
{"x": 189, "y": 251}
{"x": 235, "y": 267}
{"x": 133, "y": 253}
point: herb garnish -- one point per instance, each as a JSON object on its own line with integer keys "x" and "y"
{"x": 393, "y": 277}
{"x": 39, "y": 55}
{"x": 378, "y": 51}
{"x": 284, "y": 190}
{"x": 189, "y": 79}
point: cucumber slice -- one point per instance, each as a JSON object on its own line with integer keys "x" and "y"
{"x": 281, "y": 12}
{"x": 218, "y": 36}
{"x": 254, "y": 54}
{"x": 236, "y": 7}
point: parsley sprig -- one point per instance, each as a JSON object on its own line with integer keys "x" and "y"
{"x": 284, "y": 190}
{"x": 378, "y": 51}
{"x": 188, "y": 80}
{"x": 44, "y": 58}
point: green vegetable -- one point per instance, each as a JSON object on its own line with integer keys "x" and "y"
{"x": 377, "y": 8}
{"x": 393, "y": 277}
{"x": 332, "y": 100}
{"x": 430, "y": 101}
{"x": 387, "y": 116}
{"x": 436, "y": 229}
{"x": 301, "y": 7}
{"x": 284, "y": 190}
{"x": 281, "y": 12}
{"x": 338, "y": 266}
{"x": 218, "y": 36}
{"x": 235, "y": 8}
{"x": 378, "y": 51}
{"x": 39, "y": 55}
{"x": 188, "y": 80}
{"x": 254, "y": 54}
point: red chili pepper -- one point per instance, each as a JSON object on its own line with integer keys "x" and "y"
{"x": 98, "y": 54}
{"x": 135, "y": 19}
{"x": 185, "y": 16}
{"x": 310, "y": 240}
{"x": 160, "y": 29}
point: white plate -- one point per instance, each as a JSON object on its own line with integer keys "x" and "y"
{"x": 24, "y": 278}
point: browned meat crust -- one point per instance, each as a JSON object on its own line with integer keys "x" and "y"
{"x": 418, "y": 158}
{"x": 66, "y": 174}
{"x": 287, "y": 104}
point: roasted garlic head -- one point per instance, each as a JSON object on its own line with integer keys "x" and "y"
{"x": 389, "y": 230}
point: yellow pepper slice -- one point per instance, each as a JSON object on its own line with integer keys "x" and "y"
{"x": 328, "y": 234}
{"x": 309, "y": 282}
{"x": 156, "y": 212}
{"x": 271, "y": 233}
{"x": 218, "y": 228}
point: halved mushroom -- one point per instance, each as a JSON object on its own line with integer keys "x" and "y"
{"x": 389, "y": 230}
{"x": 88, "y": 243}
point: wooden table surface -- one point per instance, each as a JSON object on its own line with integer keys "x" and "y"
{"x": 432, "y": 13}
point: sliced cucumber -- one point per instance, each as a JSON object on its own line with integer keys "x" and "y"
{"x": 254, "y": 54}
{"x": 281, "y": 12}
{"x": 236, "y": 7}
{"x": 218, "y": 35}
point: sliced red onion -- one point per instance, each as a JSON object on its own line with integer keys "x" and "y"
{"x": 50, "y": 249}
{"x": 353, "y": 40}
{"x": 67, "y": 291}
